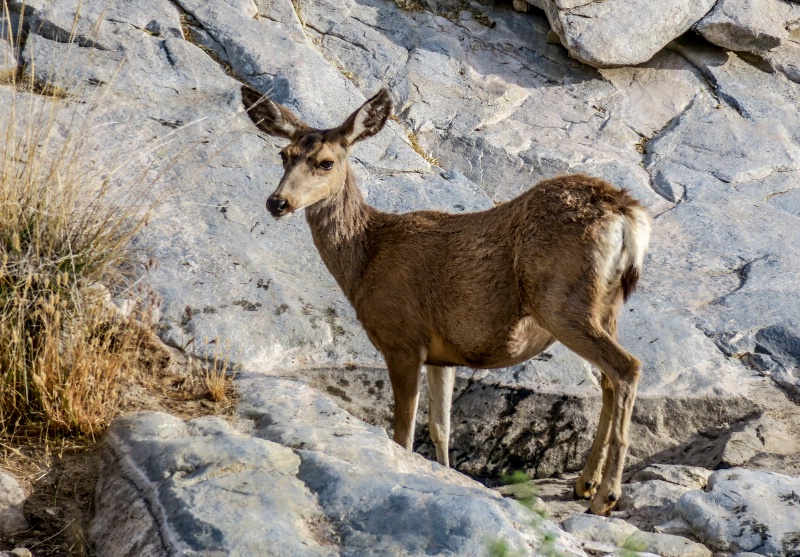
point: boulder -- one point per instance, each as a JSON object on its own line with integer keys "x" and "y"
{"x": 619, "y": 32}
{"x": 745, "y": 510}
{"x": 750, "y": 25}
{"x": 293, "y": 474}
{"x": 12, "y": 498}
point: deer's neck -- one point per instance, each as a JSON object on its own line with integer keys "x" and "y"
{"x": 340, "y": 226}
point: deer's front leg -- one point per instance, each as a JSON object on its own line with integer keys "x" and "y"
{"x": 440, "y": 399}
{"x": 404, "y": 375}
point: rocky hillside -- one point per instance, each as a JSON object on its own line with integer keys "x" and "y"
{"x": 692, "y": 106}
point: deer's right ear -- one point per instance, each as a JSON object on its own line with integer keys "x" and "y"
{"x": 271, "y": 117}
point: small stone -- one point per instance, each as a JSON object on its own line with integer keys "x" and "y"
{"x": 675, "y": 527}
{"x": 692, "y": 477}
{"x": 12, "y": 498}
{"x": 668, "y": 545}
{"x": 612, "y": 531}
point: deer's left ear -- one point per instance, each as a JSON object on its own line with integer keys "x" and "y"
{"x": 369, "y": 119}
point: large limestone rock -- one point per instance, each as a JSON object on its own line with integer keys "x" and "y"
{"x": 745, "y": 510}
{"x": 751, "y": 25}
{"x": 614, "y": 33}
{"x": 292, "y": 475}
{"x": 705, "y": 139}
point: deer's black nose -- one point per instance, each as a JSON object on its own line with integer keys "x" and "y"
{"x": 277, "y": 206}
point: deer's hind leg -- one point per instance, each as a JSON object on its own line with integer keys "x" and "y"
{"x": 587, "y": 483}
{"x": 589, "y": 480}
{"x": 585, "y": 335}
{"x": 440, "y": 399}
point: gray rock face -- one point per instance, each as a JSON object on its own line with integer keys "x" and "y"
{"x": 705, "y": 139}
{"x": 745, "y": 510}
{"x": 12, "y": 497}
{"x": 751, "y": 25}
{"x": 648, "y": 500}
{"x": 295, "y": 475}
{"x": 619, "y": 32}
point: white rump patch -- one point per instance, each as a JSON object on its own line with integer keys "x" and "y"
{"x": 623, "y": 244}
{"x": 609, "y": 260}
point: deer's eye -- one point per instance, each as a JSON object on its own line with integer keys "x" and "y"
{"x": 326, "y": 165}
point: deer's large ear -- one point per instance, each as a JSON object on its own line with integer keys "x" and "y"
{"x": 369, "y": 119}
{"x": 271, "y": 117}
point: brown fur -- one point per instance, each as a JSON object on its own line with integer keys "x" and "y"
{"x": 485, "y": 290}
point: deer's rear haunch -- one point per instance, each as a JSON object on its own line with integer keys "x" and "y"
{"x": 484, "y": 290}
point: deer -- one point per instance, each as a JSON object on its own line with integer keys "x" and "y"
{"x": 483, "y": 290}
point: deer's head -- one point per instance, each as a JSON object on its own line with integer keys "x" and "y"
{"x": 315, "y": 161}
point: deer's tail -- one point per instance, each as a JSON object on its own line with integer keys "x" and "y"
{"x": 624, "y": 244}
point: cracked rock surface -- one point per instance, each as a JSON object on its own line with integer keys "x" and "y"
{"x": 293, "y": 475}
{"x": 745, "y": 510}
{"x": 685, "y": 510}
{"x": 705, "y": 138}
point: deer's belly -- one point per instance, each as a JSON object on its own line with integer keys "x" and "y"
{"x": 525, "y": 340}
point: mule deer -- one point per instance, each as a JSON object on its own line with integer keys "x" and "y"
{"x": 484, "y": 290}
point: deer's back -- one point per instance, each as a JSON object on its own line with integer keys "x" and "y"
{"x": 458, "y": 278}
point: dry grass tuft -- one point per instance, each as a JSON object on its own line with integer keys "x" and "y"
{"x": 214, "y": 372}
{"x": 409, "y": 5}
{"x": 64, "y": 239}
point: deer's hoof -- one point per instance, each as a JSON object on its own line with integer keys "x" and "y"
{"x": 603, "y": 504}
{"x": 583, "y": 489}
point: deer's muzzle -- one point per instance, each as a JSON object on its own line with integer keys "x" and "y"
{"x": 277, "y": 206}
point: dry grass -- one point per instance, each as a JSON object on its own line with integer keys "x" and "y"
{"x": 217, "y": 381}
{"x": 414, "y": 140}
{"x": 409, "y": 5}
{"x": 64, "y": 239}
{"x": 60, "y": 473}
{"x": 69, "y": 360}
